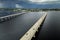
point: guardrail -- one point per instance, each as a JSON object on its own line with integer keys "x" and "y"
{"x": 4, "y": 18}
{"x": 31, "y": 32}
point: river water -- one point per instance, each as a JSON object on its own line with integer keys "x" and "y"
{"x": 51, "y": 27}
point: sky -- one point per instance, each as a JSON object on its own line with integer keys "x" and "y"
{"x": 28, "y": 3}
{"x": 42, "y": 0}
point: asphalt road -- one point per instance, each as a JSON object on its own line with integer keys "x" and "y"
{"x": 51, "y": 27}
{"x": 15, "y": 28}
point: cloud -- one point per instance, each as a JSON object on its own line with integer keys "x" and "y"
{"x": 25, "y": 3}
{"x": 18, "y": 6}
{"x": 42, "y": 0}
{"x": 1, "y": 5}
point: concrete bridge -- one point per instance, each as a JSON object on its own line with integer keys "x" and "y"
{"x": 20, "y": 26}
{"x": 30, "y": 26}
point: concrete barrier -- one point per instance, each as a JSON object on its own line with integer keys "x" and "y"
{"x": 31, "y": 32}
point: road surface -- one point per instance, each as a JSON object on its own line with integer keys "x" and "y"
{"x": 15, "y": 28}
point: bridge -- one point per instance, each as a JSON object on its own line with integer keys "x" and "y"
{"x": 15, "y": 26}
{"x": 30, "y": 26}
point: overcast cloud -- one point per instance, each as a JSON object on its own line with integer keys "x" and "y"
{"x": 25, "y": 3}
{"x": 31, "y": 1}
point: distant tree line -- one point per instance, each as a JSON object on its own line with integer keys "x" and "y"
{"x": 28, "y": 10}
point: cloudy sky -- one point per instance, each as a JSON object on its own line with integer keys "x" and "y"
{"x": 26, "y": 3}
{"x": 40, "y": 1}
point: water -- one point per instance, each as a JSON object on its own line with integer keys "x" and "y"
{"x": 51, "y": 27}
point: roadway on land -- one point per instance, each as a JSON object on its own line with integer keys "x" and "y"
{"x": 15, "y": 28}
{"x": 51, "y": 27}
